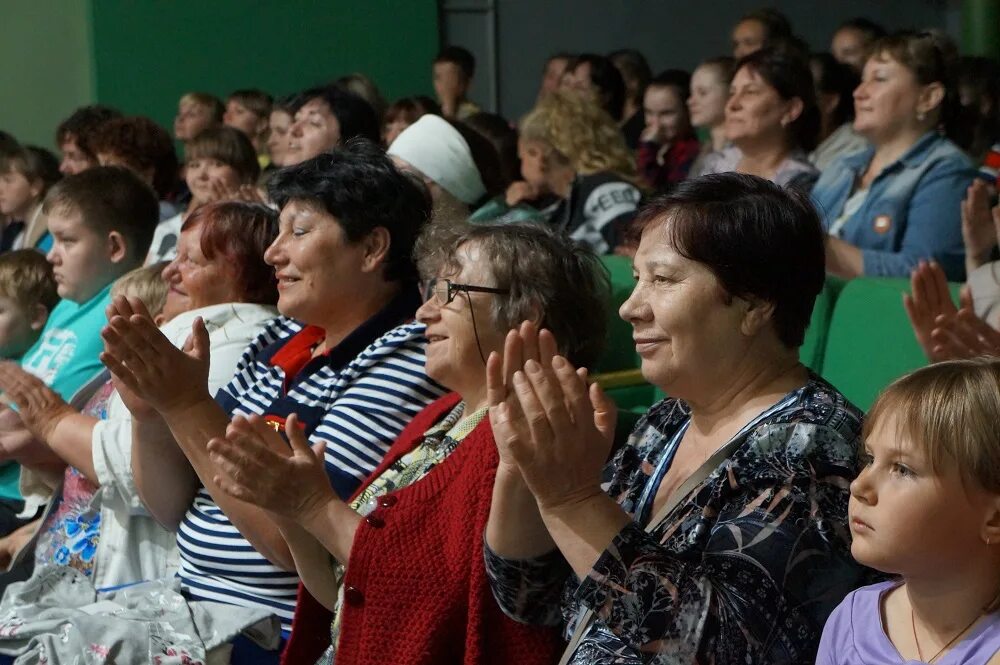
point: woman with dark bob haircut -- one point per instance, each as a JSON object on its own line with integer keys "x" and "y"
{"x": 408, "y": 584}
{"x": 343, "y": 366}
{"x": 772, "y": 120}
{"x": 327, "y": 117}
{"x": 722, "y": 537}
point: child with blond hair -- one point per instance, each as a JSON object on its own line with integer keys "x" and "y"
{"x": 926, "y": 509}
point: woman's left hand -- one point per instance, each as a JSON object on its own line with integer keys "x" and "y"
{"x": 559, "y": 431}
{"x": 171, "y": 380}
{"x": 256, "y": 465}
{"x": 964, "y": 335}
{"x": 41, "y": 408}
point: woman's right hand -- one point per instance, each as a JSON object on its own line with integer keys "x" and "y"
{"x": 929, "y": 299}
{"x": 979, "y": 224}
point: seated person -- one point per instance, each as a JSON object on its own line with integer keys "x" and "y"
{"x": 576, "y": 169}
{"x": 552, "y": 73}
{"x": 597, "y": 78}
{"x": 453, "y": 70}
{"x": 97, "y": 523}
{"x": 772, "y": 120}
{"x": 636, "y": 74}
{"x": 759, "y": 29}
{"x": 835, "y": 84}
{"x": 427, "y": 504}
{"x": 345, "y": 356}
{"x": 460, "y": 167}
{"x": 326, "y": 118}
{"x": 852, "y": 41}
{"x": 250, "y": 111}
{"x": 926, "y": 509}
{"x": 898, "y": 201}
{"x": 707, "y": 105}
{"x": 219, "y": 162}
{"x": 722, "y": 537}
{"x": 140, "y": 144}
{"x": 196, "y": 112}
{"x": 74, "y": 134}
{"x": 278, "y": 124}
{"x": 667, "y": 145}
{"x": 404, "y": 112}
{"x": 26, "y": 174}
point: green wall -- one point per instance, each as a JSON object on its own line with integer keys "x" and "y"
{"x": 45, "y": 66}
{"x": 148, "y": 53}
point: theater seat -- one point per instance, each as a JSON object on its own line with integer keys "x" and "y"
{"x": 870, "y": 341}
{"x": 812, "y": 349}
{"x": 619, "y": 354}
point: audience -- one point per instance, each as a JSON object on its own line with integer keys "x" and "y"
{"x": 453, "y": 70}
{"x": 852, "y": 41}
{"x": 926, "y": 509}
{"x": 220, "y": 162}
{"x": 897, "y": 202}
{"x": 292, "y": 344}
{"x": 74, "y": 134}
{"x": 326, "y": 118}
{"x": 722, "y": 536}
{"x": 196, "y": 112}
{"x": 667, "y": 145}
{"x": 436, "y": 482}
{"x": 26, "y": 175}
{"x": 772, "y": 120}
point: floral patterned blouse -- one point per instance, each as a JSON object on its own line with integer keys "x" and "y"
{"x": 746, "y": 569}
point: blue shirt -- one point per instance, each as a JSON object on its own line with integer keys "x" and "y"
{"x": 357, "y": 397}
{"x": 912, "y": 210}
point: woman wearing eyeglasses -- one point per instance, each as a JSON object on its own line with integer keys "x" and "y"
{"x": 407, "y": 584}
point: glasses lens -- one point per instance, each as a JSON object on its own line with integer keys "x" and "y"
{"x": 438, "y": 289}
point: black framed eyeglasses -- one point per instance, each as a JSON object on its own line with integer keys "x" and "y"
{"x": 445, "y": 290}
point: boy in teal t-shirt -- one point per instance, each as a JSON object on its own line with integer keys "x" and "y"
{"x": 102, "y": 223}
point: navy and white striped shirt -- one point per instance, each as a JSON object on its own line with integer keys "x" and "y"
{"x": 357, "y": 398}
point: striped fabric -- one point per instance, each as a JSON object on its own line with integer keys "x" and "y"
{"x": 357, "y": 398}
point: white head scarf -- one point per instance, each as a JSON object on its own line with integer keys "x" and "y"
{"x": 436, "y": 149}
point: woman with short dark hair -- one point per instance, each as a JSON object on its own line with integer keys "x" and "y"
{"x": 328, "y": 117}
{"x": 771, "y": 120}
{"x": 408, "y": 585}
{"x": 835, "y": 83}
{"x": 722, "y": 536}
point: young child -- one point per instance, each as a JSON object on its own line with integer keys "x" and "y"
{"x": 101, "y": 221}
{"x": 926, "y": 508}
{"x": 27, "y": 297}
{"x": 453, "y": 70}
{"x": 26, "y": 174}
{"x": 196, "y": 111}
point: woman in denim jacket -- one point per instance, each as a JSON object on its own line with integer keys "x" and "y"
{"x": 898, "y": 201}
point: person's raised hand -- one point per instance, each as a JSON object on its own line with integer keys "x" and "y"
{"x": 929, "y": 299}
{"x": 979, "y": 231}
{"x": 144, "y": 361}
{"x": 40, "y": 407}
{"x": 519, "y": 191}
{"x": 253, "y": 463}
{"x": 964, "y": 335}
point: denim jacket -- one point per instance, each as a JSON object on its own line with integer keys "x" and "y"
{"x": 912, "y": 210}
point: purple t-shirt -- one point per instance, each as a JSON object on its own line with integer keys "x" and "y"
{"x": 854, "y": 635}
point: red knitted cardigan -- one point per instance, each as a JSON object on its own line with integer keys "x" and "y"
{"x": 415, "y": 590}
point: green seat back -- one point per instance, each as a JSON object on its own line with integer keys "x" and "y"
{"x": 870, "y": 341}
{"x": 619, "y": 352}
{"x": 812, "y": 349}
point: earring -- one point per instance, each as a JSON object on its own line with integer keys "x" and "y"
{"x": 920, "y": 116}
{"x": 987, "y": 541}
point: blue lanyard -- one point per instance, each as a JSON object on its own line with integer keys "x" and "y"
{"x": 644, "y": 509}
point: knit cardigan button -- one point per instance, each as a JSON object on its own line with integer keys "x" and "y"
{"x": 354, "y": 597}
{"x": 388, "y": 501}
{"x": 375, "y": 522}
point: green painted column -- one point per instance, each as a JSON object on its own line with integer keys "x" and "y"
{"x": 981, "y": 27}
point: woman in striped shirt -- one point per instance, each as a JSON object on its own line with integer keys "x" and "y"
{"x": 345, "y": 357}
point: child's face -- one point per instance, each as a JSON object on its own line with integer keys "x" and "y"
{"x": 18, "y": 328}
{"x": 906, "y": 518}
{"x": 207, "y": 178}
{"x": 82, "y": 259}
{"x": 17, "y": 195}
{"x": 190, "y": 120}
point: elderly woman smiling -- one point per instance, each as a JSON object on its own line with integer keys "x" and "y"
{"x": 722, "y": 537}
{"x": 346, "y": 357}
{"x": 415, "y": 589}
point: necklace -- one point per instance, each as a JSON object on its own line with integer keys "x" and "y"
{"x": 913, "y": 624}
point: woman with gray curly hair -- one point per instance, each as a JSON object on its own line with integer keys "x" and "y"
{"x": 408, "y": 583}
